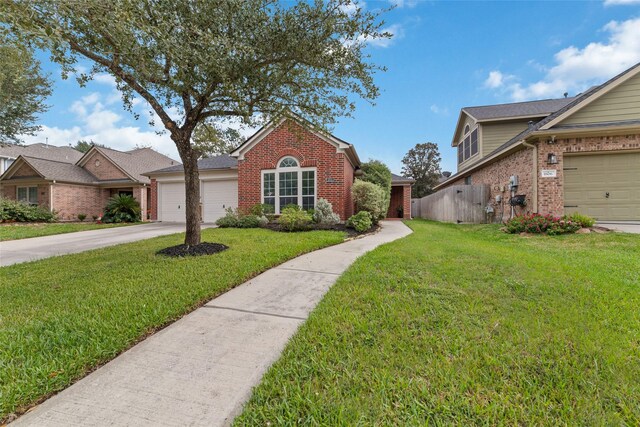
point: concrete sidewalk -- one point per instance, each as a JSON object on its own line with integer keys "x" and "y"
{"x": 200, "y": 370}
{"x": 17, "y": 251}
{"x": 624, "y": 226}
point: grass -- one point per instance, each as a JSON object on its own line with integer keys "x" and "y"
{"x": 465, "y": 325}
{"x": 25, "y": 231}
{"x": 61, "y": 317}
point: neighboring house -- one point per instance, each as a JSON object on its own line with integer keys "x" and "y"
{"x": 283, "y": 163}
{"x": 579, "y": 154}
{"x": 10, "y": 152}
{"x": 71, "y": 183}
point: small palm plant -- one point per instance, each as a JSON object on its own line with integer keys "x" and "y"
{"x": 122, "y": 208}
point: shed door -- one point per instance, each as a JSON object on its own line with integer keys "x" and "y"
{"x": 604, "y": 186}
{"x": 171, "y": 202}
{"x": 216, "y": 197}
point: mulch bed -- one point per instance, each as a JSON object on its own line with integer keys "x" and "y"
{"x": 336, "y": 227}
{"x": 203, "y": 248}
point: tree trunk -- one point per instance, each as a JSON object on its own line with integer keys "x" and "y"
{"x": 192, "y": 190}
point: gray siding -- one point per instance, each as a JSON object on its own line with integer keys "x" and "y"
{"x": 621, "y": 103}
{"x": 496, "y": 134}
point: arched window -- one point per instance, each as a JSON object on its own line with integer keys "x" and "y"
{"x": 466, "y": 129}
{"x": 468, "y": 145}
{"x": 289, "y": 184}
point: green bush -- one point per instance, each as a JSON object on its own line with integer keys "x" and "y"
{"x": 13, "y": 210}
{"x": 122, "y": 208}
{"x": 540, "y": 224}
{"x": 249, "y": 221}
{"x": 292, "y": 218}
{"x": 360, "y": 221}
{"x": 371, "y": 198}
{"x": 262, "y": 209}
{"x": 82, "y": 217}
{"x": 324, "y": 214}
{"x": 378, "y": 173}
{"x": 229, "y": 220}
{"x": 583, "y": 220}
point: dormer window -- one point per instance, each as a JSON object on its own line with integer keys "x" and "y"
{"x": 468, "y": 146}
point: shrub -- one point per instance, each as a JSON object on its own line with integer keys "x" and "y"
{"x": 378, "y": 173}
{"x": 324, "y": 214}
{"x": 360, "y": 221}
{"x": 122, "y": 208}
{"x": 95, "y": 217}
{"x": 583, "y": 220}
{"x": 249, "y": 221}
{"x": 13, "y": 210}
{"x": 292, "y": 218}
{"x": 263, "y": 221}
{"x": 262, "y": 209}
{"x": 371, "y": 198}
{"x": 82, "y": 217}
{"x": 229, "y": 220}
{"x": 538, "y": 224}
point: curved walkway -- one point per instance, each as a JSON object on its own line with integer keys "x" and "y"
{"x": 201, "y": 369}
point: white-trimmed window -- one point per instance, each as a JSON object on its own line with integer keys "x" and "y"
{"x": 289, "y": 184}
{"x": 468, "y": 146}
{"x": 28, "y": 195}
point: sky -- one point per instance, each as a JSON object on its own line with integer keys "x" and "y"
{"x": 444, "y": 55}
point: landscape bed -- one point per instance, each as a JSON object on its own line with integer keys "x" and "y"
{"x": 69, "y": 314}
{"x": 467, "y": 325}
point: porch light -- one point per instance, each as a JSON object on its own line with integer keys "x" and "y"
{"x": 552, "y": 159}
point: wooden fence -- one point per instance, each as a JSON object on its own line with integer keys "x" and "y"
{"x": 458, "y": 203}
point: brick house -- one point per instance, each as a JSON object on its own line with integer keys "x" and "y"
{"x": 70, "y": 183}
{"x": 282, "y": 163}
{"x": 577, "y": 154}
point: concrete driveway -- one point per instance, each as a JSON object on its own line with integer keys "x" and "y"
{"x": 627, "y": 227}
{"x": 17, "y": 251}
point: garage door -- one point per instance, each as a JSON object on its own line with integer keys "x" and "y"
{"x": 604, "y": 186}
{"x": 216, "y": 197}
{"x": 171, "y": 202}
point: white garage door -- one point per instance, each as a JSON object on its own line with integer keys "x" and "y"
{"x": 216, "y": 197}
{"x": 171, "y": 202}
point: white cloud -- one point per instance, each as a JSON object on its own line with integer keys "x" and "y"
{"x": 404, "y": 3}
{"x": 577, "y": 69}
{"x": 394, "y": 30}
{"x": 439, "y": 110}
{"x": 620, "y": 2}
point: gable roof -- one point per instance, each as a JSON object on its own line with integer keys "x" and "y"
{"x": 53, "y": 170}
{"x": 41, "y": 151}
{"x": 132, "y": 163}
{"x": 221, "y": 162}
{"x": 341, "y": 146}
{"x": 517, "y": 109}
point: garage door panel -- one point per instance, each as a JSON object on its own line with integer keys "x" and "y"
{"x": 171, "y": 202}
{"x": 588, "y": 179}
{"x": 218, "y": 196}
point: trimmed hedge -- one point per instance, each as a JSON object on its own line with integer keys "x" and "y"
{"x": 13, "y": 210}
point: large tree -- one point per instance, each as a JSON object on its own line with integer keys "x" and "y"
{"x": 199, "y": 60}
{"x": 211, "y": 139}
{"x": 23, "y": 89}
{"x": 422, "y": 163}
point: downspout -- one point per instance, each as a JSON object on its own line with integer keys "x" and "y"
{"x": 534, "y": 176}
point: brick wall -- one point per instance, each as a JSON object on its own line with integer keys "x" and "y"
{"x": 407, "y": 201}
{"x": 497, "y": 176}
{"x": 102, "y": 168}
{"x": 69, "y": 200}
{"x": 400, "y": 196}
{"x": 550, "y": 190}
{"x": 153, "y": 201}
{"x": 290, "y": 139}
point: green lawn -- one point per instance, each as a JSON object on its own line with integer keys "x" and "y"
{"x": 61, "y": 317}
{"x": 465, "y": 325}
{"x": 24, "y": 231}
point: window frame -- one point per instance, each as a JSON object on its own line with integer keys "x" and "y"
{"x": 28, "y": 199}
{"x": 299, "y": 174}
{"x": 466, "y": 144}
